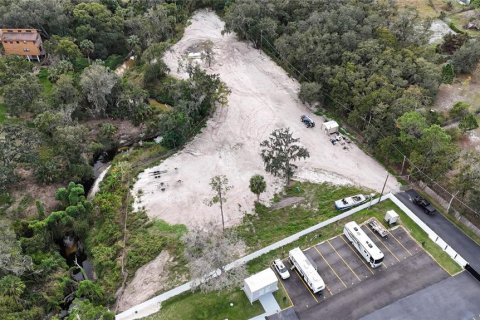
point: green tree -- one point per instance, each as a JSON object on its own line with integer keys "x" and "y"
{"x": 279, "y": 151}
{"x": 65, "y": 92}
{"x": 59, "y": 68}
{"x": 467, "y": 178}
{"x": 106, "y": 135}
{"x": 465, "y": 59}
{"x": 434, "y": 153}
{"x": 48, "y": 121}
{"x": 258, "y": 185}
{"x": 448, "y": 74}
{"x": 12, "y": 68}
{"x": 93, "y": 21}
{"x": 86, "y": 310}
{"x": 50, "y": 16}
{"x": 20, "y": 95}
{"x": 12, "y": 259}
{"x": 459, "y": 110}
{"x": 91, "y": 291}
{"x": 87, "y": 47}
{"x": 133, "y": 43}
{"x": 12, "y": 286}
{"x": 469, "y": 122}
{"x": 310, "y": 92}
{"x": 98, "y": 82}
{"x": 220, "y": 187}
{"x": 17, "y": 145}
{"x": 412, "y": 125}
{"x": 63, "y": 47}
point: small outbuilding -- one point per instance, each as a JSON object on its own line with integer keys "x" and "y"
{"x": 391, "y": 217}
{"x": 330, "y": 127}
{"x": 259, "y": 284}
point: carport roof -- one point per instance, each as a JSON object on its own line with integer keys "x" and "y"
{"x": 261, "y": 280}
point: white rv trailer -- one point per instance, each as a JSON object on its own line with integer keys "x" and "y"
{"x": 306, "y": 270}
{"x": 363, "y": 243}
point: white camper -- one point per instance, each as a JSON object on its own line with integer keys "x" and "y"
{"x": 363, "y": 244}
{"x": 330, "y": 127}
{"x": 306, "y": 269}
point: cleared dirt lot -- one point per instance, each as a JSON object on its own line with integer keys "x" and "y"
{"x": 353, "y": 288}
{"x": 263, "y": 98}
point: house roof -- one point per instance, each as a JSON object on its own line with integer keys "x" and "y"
{"x": 18, "y": 36}
{"x": 261, "y": 280}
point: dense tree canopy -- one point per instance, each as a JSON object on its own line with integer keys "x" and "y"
{"x": 361, "y": 58}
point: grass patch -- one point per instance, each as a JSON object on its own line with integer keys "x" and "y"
{"x": 113, "y": 61}
{"x": 327, "y": 232}
{"x": 158, "y": 106}
{"x": 266, "y": 226}
{"x": 459, "y": 20}
{"x": 3, "y": 113}
{"x": 214, "y": 305}
{"x": 281, "y": 296}
{"x": 46, "y": 84}
{"x": 336, "y": 228}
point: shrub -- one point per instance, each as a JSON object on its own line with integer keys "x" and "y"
{"x": 459, "y": 110}
{"x": 448, "y": 74}
{"x": 469, "y": 122}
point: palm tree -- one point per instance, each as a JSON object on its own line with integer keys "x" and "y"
{"x": 12, "y": 286}
{"x": 87, "y": 48}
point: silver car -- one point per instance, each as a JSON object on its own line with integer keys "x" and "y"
{"x": 281, "y": 269}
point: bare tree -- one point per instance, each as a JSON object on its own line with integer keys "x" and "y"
{"x": 208, "y": 251}
{"x": 279, "y": 151}
{"x": 207, "y": 52}
{"x": 220, "y": 187}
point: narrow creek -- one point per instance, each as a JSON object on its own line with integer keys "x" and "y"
{"x": 71, "y": 247}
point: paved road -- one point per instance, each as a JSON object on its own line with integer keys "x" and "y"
{"x": 398, "y": 281}
{"x": 453, "y": 298}
{"x": 461, "y": 243}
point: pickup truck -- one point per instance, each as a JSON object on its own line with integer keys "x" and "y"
{"x": 424, "y": 204}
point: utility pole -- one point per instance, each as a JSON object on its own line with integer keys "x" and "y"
{"x": 384, "y": 184}
{"x": 451, "y": 200}
{"x": 403, "y": 165}
{"x": 261, "y": 38}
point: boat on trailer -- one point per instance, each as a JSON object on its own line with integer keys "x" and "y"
{"x": 350, "y": 202}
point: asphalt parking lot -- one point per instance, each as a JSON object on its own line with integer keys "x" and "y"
{"x": 349, "y": 278}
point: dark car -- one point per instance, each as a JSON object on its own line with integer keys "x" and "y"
{"x": 307, "y": 121}
{"x": 424, "y": 204}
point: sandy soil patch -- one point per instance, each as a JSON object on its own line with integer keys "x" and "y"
{"x": 465, "y": 88}
{"x": 148, "y": 280}
{"x": 439, "y": 29}
{"x": 26, "y": 192}
{"x": 263, "y": 98}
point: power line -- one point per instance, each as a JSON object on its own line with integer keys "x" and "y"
{"x": 364, "y": 118}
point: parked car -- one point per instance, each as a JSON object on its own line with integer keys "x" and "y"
{"x": 281, "y": 269}
{"x": 350, "y": 202}
{"x": 424, "y": 204}
{"x": 307, "y": 121}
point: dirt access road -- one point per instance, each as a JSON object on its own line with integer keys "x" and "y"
{"x": 263, "y": 98}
